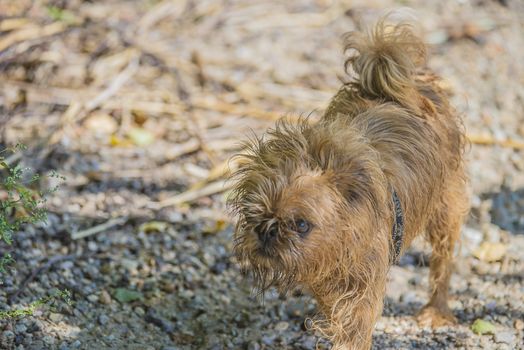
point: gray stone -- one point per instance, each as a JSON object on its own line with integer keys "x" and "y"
{"x": 92, "y": 246}
{"x": 281, "y": 326}
{"x": 103, "y": 319}
{"x": 63, "y": 346}
{"x": 38, "y": 345}
{"x": 55, "y": 317}
{"x": 307, "y": 342}
{"x": 253, "y": 346}
{"x": 129, "y": 265}
{"x": 93, "y": 298}
{"x": 49, "y": 340}
{"x": 76, "y": 344}
{"x": 104, "y": 297}
{"x": 506, "y": 337}
{"x": 268, "y": 339}
{"x": 20, "y": 328}
{"x": 8, "y": 336}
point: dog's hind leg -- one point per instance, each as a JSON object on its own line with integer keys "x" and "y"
{"x": 443, "y": 231}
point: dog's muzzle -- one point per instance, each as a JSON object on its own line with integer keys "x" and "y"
{"x": 267, "y": 235}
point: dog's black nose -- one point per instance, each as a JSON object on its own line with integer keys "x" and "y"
{"x": 267, "y": 234}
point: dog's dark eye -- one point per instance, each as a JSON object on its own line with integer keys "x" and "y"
{"x": 302, "y": 227}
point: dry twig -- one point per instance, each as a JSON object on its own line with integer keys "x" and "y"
{"x": 191, "y": 195}
{"x": 489, "y": 141}
{"x": 31, "y": 32}
{"x": 99, "y": 228}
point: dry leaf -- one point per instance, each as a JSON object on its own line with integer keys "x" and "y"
{"x": 101, "y": 124}
{"x": 154, "y": 226}
{"x": 141, "y": 137}
{"x": 490, "y": 252}
{"x": 219, "y": 226}
{"x": 116, "y": 141}
{"x": 124, "y": 295}
{"x": 482, "y": 327}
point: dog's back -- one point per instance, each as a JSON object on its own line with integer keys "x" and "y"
{"x": 398, "y": 106}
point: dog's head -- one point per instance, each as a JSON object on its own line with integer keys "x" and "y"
{"x": 306, "y": 198}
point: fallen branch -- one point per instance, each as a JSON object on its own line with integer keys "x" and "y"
{"x": 219, "y": 171}
{"x": 9, "y": 24}
{"x": 182, "y": 149}
{"x": 231, "y": 108}
{"x": 99, "y": 228}
{"x": 489, "y": 140}
{"x": 31, "y": 32}
{"x": 116, "y": 84}
{"x": 191, "y": 195}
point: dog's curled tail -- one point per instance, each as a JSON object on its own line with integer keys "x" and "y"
{"x": 385, "y": 60}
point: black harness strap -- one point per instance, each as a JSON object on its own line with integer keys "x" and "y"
{"x": 398, "y": 228}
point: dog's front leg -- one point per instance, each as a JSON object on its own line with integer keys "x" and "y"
{"x": 351, "y": 314}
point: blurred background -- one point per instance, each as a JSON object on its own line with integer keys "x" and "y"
{"x": 139, "y": 105}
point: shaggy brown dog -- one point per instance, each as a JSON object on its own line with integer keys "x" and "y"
{"x": 330, "y": 206}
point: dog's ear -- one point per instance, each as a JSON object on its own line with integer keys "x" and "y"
{"x": 353, "y": 182}
{"x": 347, "y": 161}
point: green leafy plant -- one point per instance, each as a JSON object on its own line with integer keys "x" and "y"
{"x": 50, "y": 301}
{"x": 5, "y": 260}
{"x": 20, "y": 205}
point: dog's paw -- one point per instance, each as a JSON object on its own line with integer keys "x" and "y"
{"x": 431, "y": 316}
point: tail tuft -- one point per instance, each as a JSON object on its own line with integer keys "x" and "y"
{"x": 385, "y": 60}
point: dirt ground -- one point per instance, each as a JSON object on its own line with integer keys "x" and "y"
{"x": 140, "y": 104}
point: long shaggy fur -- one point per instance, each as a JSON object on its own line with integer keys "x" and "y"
{"x": 389, "y": 129}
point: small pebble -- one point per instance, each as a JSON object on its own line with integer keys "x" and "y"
{"x": 253, "y": 346}
{"x": 92, "y": 246}
{"x": 8, "y": 336}
{"x": 103, "y": 319}
{"x": 67, "y": 265}
{"x": 506, "y": 337}
{"x": 159, "y": 321}
{"x": 281, "y": 326}
{"x": 39, "y": 344}
{"x": 55, "y": 317}
{"x": 139, "y": 311}
{"x": 93, "y": 298}
{"x": 104, "y": 297}
{"x": 20, "y": 328}
{"x": 268, "y": 339}
{"x": 490, "y": 306}
{"x": 49, "y": 340}
{"x": 130, "y": 265}
{"x": 35, "y": 326}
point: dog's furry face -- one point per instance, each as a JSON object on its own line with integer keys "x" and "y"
{"x": 303, "y": 201}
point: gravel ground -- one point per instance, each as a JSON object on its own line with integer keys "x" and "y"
{"x": 208, "y": 72}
